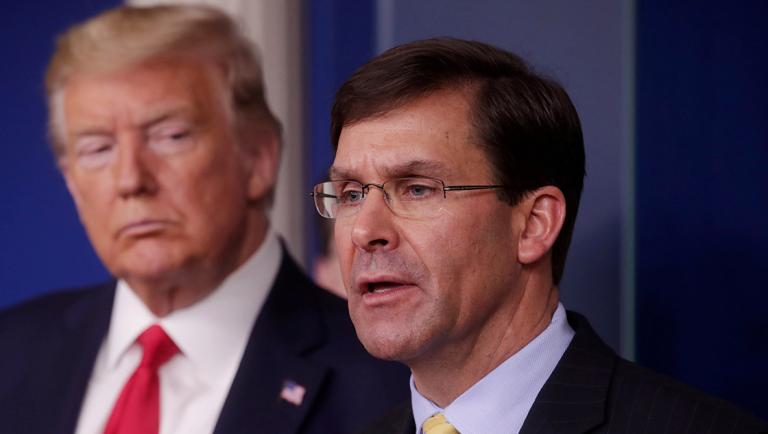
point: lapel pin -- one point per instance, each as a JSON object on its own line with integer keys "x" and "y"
{"x": 292, "y": 392}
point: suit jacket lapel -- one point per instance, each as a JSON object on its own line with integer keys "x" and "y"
{"x": 574, "y": 397}
{"x": 288, "y": 327}
{"x": 404, "y": 423}
{"x": 74, "y": 354}
{"x": 397, "y": 421}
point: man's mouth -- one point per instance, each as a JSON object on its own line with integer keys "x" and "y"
{"x": 381, "y": 284}
{"x": 142, "y": 228}
{"x": 380, "y": 287}
{"x": 382, "y": 290}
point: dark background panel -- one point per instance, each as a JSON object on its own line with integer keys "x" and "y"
{"x": 340, "y": 37}
{"x": 702, "y": 195}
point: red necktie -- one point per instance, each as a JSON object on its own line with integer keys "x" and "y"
{"x": 137, "y": 410}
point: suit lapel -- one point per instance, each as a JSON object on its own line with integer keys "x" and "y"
{"x": 403, "y": 424}
{"x": 574, "y": 397}
{"x": 398, "y": 421}
{"x": 74, "y": 353}
{"x": 288, "y": 327}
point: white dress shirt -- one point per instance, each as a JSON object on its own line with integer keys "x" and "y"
{"x": 211, "y": 334}
{"x": 500, "y": 401}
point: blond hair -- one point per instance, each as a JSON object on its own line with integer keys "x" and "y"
{"x": 129, "y": 35}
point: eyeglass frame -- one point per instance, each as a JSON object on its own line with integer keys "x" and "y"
{"x": 367, "y": 187}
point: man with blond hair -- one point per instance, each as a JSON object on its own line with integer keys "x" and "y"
{"x": 160, "y": 127}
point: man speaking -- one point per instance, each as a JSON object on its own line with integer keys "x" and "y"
{"x": 454, "y": 190}
{"x": 160, "y": 127}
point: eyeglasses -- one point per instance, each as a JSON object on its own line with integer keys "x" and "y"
{"x": 406, "y": 197}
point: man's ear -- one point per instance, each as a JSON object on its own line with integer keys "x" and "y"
{"x": 263, "y": 159}
{"x": 545, "y": 213}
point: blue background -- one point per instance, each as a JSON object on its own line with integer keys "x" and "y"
{"x": 43, "y": 245}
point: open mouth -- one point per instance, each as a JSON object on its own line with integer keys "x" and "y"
{"x": 380, "y": 287}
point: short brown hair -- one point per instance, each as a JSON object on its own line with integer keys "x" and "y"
{"x": 527, "y": 125}
{"x": 128, "y": 35}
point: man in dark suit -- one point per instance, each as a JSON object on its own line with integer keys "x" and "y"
{"x": 454, "y": 190}
{"x": 162, "y": 133}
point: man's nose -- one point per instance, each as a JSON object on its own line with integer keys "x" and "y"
{"x": 374, "y": 228}
{"x": 133, "y": 174}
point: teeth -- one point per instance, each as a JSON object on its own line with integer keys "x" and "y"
{"x": 379, "y": 287}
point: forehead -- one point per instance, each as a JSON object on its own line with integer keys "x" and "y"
{"x": 431, "y": 136}
{"x": 140, "y": 93}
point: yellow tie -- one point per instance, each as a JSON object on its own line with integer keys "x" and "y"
{"x": 437, "y": 424}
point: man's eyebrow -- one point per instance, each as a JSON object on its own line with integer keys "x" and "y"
{"x": 90, "y": 132}
{"x": 417, "y": 168}
{"x": 164, "y": 115}
{"x": 430, "y": 168}
{"x": 151, "y": 120}
{"x": 335, "y": 173}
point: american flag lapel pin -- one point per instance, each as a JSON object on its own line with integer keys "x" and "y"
{"x": 292, "y": 392}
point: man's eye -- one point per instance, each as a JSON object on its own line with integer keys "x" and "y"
{"x": 416, "y": 191}
{"x": 93, "y": 152}
{"x": 178, "y": 135}
{"x": 170, "y": 139}
{"x": 350, "y": 196}
{"x": 98, "y": 149}
{"x": 92, "y": 146}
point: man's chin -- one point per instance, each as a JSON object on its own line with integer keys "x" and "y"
{"x": 148, "y": 270}
{"x": 393, "y": 345}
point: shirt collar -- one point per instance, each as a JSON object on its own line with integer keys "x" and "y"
{"x": 211, "y": 333}
{"x": 501, "y": 400}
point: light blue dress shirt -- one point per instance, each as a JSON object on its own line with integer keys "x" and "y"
{"x": 500, "y": 401}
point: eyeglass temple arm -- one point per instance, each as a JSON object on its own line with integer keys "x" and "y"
{"x": 313, "y": 194}
{"x": 471, "y": 187}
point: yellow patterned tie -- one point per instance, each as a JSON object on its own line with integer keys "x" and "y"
{"x": 438, "y": 425}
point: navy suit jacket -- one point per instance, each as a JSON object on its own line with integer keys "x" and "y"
{"x": 302, "y": 334}
{"x": 592, "y": 390}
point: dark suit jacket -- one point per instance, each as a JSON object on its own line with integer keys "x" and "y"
{"x": 48, "y": 348}
{"x": 592, "y": 390}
